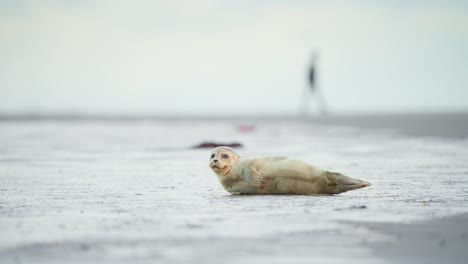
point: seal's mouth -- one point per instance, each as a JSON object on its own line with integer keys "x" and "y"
{"x": 214, "y": 166}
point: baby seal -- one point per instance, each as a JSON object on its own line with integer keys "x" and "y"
{"x": 276, "y": 175}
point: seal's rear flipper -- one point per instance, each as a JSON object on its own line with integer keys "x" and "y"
{"x": 341, "y": 183}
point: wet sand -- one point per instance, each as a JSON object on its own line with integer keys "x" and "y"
{"x": 443, "y": 240}
{"x": 133, "y": 191}
{"x": 452, "y": 125}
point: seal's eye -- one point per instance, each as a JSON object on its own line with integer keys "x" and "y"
{"x": 225, "y": 156}
{"x": 212, "y": 155}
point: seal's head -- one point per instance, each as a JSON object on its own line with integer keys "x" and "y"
{"x": 222, "y": 159}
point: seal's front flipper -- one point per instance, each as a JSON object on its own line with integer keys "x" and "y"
{"x": 341, "y": 183}
{"x": 255, "y": 178}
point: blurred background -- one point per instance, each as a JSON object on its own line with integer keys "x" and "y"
{"x": 109, "y": 110}
{"x": 215, "y": 58}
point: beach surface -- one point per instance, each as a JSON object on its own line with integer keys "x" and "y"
{"x": 136, "y": 191}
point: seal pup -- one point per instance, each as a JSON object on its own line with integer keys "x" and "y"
{"x": 276, "y": 175}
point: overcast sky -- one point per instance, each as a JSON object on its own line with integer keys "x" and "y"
{"x": 236, "y": 57}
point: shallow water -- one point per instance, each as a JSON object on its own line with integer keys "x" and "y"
{"x": 134, "y": 191}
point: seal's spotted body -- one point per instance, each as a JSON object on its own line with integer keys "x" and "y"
{"x": 276, "y": 175}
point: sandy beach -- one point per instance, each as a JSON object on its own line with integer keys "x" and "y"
{"x": 95, "y": 190}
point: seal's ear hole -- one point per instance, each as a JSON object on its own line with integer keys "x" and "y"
{"x": 225, "y": 156}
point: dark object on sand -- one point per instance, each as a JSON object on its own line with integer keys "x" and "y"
{"x": 215, "y": 144}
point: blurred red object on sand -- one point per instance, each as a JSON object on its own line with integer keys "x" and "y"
{"x": 246, "y": 128}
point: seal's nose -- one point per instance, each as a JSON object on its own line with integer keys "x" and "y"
{"x": 215, "y": 160}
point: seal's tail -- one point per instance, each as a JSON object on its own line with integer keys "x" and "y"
{"x": 341, "y": 183}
